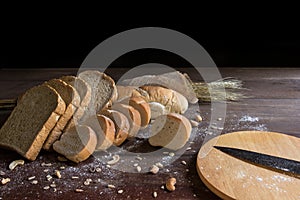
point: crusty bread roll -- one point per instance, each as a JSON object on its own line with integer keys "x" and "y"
{"x": 172, "y": 100}
{"x": 78, "y": 144}
{"x": 132, "y": 115}
{"x": 171, "y": 131}
{"x": 31, "y": 121}
{"x": 121, "y": 124}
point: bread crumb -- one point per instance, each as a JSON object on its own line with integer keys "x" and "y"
{"x": 159, "y": 165}
{"x": 120, "y": 191}
{"x": 138, "y": 169}
{"x": 46, "y": 187}
{"x": 75, "y": 177}
{"x": 98, "y": 169}
{"x": 86, "y": 182}
{"x": 198, "y": 118}
{"x": 162, "y": 187}
{"x": 154, "y": 169}
{"x": 34, "y": 182}
{"x": 53, "y": 185}
{"x": 139, "y": 158}
{"x": 5, "y": 181}
{"x": 115, "y": 159}
{"x": 31, "y": 178}
{"x": 219, "y": 119}
{"x": 194, "y": 123}
{"x": 183, "y": 162}
{"x": 154, "y": 194}
{"x": 46, "y": 164}
{"x": 171, "y": 154}
{"x": 78, "y": 190}
{"x": 46, "y": 170}
{"x": 57, "y": 174}
{"x": 135, "y": 164}
{"x": 62, "y": 167}
{"x": 15, "y": 163}
{"x": 49, "y": 177}
{"x": 111, "y": 186}
{"x": 170, "y": 184}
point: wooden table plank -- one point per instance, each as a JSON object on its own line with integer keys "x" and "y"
{"x": 273, "y": 106}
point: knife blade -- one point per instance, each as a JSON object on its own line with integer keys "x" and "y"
{"x": 287, "y": 166}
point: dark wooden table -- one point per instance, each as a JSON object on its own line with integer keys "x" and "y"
{"x": 273, "y": 105}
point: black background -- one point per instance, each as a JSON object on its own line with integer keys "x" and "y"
{"x": 62, "y": 43}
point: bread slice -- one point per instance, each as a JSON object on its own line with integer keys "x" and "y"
{"x": 142, "y": 107}
{"x": 132, "y": 115}
{"x": 84, "y": 91}
{"x": 78, "y": 144}
{"x": 171, "y": 131}
{"x": 105, "y": 130}
{"x": 121, "y": 124}
{"x": 72, "y": 100}
{"x": 30, "y": 122}
{"x": 103, "y": 89}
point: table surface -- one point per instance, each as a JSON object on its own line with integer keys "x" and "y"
{"x": 272, "y": 105}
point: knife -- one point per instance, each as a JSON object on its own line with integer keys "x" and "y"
{"x": 283, "y": 165}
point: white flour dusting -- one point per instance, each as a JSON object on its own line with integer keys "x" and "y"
{"x": 247, "y": 118}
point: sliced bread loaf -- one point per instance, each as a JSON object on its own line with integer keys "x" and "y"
{"x": 171, "y": 131}
{"x": 31, "y": 121}
{"x": 103, "y": 90}
{"x": 142, "y": 107}
{"x": 84, "y": 91}
{"x": 121, "y": 124}
{"x": 105, "y": 130}
{"x": 72, "y": 100}
{"x": 78, "y": 144}
{"x": 132, "y": 115}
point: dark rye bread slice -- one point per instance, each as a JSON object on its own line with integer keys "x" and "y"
{"x": 103, "y": 90}
{"x": 31, "y": 121}
{"x": 121, "y": 124}
{"x": 78, "y": 144}
{"x": 72, "y": 101}
{"x": 84, "y": 91}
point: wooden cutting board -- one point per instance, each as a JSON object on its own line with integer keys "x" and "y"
{"x": 231, "y": 178}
